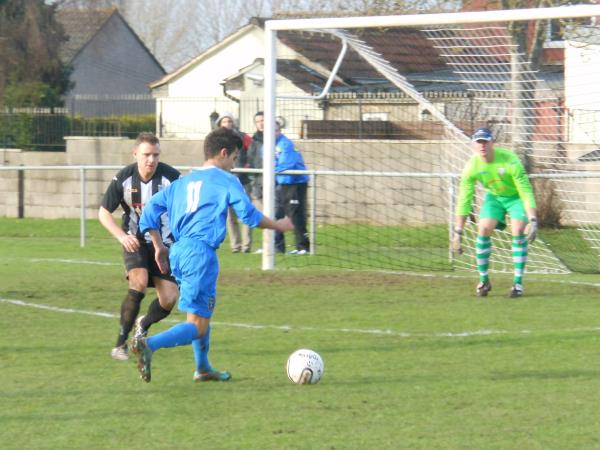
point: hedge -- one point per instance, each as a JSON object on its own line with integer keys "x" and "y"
{"x": 46, "y": 132}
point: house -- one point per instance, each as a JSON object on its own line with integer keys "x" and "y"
{"x": 186, "y": 97}
{"x": 229, "y": 77}
{"x": 362, "y": 103}
{"x": 111, "y": 65}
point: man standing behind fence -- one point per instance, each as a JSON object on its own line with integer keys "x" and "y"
{"x": 240, "y": 235}
{"x": 255, "y": 161}
{"x": 255, "y": 157}
{"x": 131, "y": 189}
{"x": 290, "y": 194}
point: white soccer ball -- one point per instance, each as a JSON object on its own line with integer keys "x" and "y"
{"x": 305, "y": 366}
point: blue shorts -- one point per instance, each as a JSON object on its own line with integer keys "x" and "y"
{"x": 195, "y": 266}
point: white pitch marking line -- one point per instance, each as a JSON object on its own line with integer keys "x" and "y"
{"x": 74, "y": 261}
{"x": 507, "y": 275}
{"x": 289, "y": 328}
{"x": 56, "y": 309}
{"x": 413, "y": 274}
{"x": 390, "y": 272}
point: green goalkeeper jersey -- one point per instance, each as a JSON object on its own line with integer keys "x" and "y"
{"x": 503, "y": 177}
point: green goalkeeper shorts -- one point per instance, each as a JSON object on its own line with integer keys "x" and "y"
{"x": 495, "y": 207}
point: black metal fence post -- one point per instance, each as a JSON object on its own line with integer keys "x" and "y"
{"x": 21, "y": 189}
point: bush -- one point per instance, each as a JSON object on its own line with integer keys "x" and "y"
{"x": 549, "y": 205}
{"x": 16, "y": 130}
{"x": 126, "y": 126}
{"x": 46, "y": 131}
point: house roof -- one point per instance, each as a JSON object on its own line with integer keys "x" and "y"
{"x": 410, "y": 52}
{"x": 301, "y": 75}
{"x": 320, "y": 50}
{"x": 594, "y": 155}
{"x": 407, "y": 49}
{"x": 415, "y": 58}
{"x": 81, "y": 25}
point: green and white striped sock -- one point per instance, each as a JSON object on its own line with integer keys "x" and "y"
{"x": 519, "y": 254}
{"x": 483, "y": 250}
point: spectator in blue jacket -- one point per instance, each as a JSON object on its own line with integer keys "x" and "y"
{"x": 290, "y": 192}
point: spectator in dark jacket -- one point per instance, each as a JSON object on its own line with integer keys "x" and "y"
{"x": 239, "y": 241}
{"x": 255, "y": 157}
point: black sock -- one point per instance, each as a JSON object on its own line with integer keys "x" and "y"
{"x": 155, "y": 314}
{"x": 129, "y": 311}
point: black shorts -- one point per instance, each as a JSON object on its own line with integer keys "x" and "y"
{"x": 143, "y": 258}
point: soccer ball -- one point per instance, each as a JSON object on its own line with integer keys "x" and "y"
{"x": 305, "y": 366}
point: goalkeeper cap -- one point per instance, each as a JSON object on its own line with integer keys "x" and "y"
{"x": 483, "y": 134}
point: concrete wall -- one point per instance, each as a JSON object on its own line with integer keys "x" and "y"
{"x": 56, "y": 193}
{"x": 339, "y": 199}
{"x": 376, "y": 199}
{"x": 53, "y": 194}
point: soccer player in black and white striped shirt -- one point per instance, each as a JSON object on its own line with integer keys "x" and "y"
{"x": 131, "y": 188}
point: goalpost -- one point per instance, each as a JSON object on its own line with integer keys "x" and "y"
{"x": 385, "y": 145}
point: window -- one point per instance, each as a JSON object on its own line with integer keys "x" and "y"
{"x": 558, "y": 29}
{"x": 380, "y": 116}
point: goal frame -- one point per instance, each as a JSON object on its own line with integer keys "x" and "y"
{"x": 270, "y": 69}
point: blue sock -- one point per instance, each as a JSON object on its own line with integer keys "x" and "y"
{"x": 181, "y": 334}
{"x": 201, "y": 347}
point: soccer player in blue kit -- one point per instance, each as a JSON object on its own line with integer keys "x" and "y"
{"x": 197, "y": 207}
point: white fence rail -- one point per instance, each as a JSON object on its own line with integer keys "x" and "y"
{"x": 452, "y": 179}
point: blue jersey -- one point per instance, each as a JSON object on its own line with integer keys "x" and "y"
{"x": 288, "y": 158}
{"x": 197, "y": 206}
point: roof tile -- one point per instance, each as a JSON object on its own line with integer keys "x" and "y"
{"x": 80, "y": 26}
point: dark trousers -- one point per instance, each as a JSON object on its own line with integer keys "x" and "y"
{"x": 290, "y": 200}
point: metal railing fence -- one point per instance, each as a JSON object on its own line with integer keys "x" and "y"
{"x": 315, "y": 175}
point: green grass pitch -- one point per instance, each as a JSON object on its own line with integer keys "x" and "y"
{"x": 411, "y": 361}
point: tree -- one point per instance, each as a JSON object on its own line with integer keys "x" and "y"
{"x": 363, "y": 7}
{"x": 31, "y": 73}
{"x": 177, "y": 30}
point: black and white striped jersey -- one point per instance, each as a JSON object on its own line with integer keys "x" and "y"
{"x": 131, "y": 193}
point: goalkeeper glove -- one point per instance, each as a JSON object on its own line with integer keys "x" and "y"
{"x": 457, "y": 241}
{"x": 533, "y": 227}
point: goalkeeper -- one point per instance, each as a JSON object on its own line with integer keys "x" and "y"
{"x": 507, "y": 192}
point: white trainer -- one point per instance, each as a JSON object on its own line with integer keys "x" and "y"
{"x": 297, "y": 252}
{"x": 120, "y": 353}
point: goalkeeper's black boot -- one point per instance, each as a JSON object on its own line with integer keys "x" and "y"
{"x": 483, "y": 288}
{"x": 516, "y": 291}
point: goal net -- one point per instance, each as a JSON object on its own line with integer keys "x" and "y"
{"x": 386, "y": 142}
